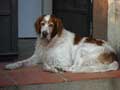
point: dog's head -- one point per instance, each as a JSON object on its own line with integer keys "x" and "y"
{"x": 48, "y": 26}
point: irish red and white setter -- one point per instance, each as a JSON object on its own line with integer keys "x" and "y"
{"x": 60, "y": 49}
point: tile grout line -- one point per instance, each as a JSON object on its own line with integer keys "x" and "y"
{"x": 59, "y": 74}
{"x": 62, "y": 76}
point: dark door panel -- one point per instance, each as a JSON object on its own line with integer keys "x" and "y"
{"x": 8, "y": 28}
{"x": 75, "y": 15}
{"x": 71, "y": 22}
{"x": 4, "y": 6}
{"x": 5, "y": 36}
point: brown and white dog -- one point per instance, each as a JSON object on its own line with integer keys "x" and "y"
{"x": 59, "y": 49}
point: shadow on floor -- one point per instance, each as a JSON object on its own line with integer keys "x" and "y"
{"x": 25, "y": 48}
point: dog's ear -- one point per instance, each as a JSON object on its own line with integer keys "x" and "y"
{"x": 59, "y": 26}
{"x": 38, "y": 24}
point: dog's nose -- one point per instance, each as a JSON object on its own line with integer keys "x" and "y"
{"x": 44, "y": 33}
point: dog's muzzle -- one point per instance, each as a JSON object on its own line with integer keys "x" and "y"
{"x": 44, "y": 33}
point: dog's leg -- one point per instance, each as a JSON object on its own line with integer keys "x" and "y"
{"x": 27, "y": 62}
{"x": 77, "y": 64}
{"x": 48, "y": 68}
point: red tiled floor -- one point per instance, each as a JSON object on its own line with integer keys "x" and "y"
{"x": 35, "y": 75}
{"x": 5, "y": 80}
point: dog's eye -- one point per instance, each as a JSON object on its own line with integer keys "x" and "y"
{"x": 51, "y": 25}
{"x": 42, "y": 23}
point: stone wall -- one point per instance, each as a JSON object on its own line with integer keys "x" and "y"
{"x": 114, "y": 24}
{"x": 100, "y": 13}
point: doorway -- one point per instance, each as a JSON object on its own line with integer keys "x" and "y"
{"x": 75, "y": 14}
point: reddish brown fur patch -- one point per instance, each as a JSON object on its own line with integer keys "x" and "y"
{"x": 58, "y": 26}
{"x": 94, "y": 41}
{"x": 107, "y": 58}
{"x": 77, "y": 39}
{"x": 38, "y": 24}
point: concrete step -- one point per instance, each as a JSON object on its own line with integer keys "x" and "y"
{"x": 34, "y": 78}
{"x": 101, "y": 84}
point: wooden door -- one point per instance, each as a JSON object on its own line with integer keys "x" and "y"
{"x": 8, "y": 27}
{"x": 75, "y": 15}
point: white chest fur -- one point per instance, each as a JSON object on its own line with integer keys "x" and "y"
{"x": 58, "y": 52}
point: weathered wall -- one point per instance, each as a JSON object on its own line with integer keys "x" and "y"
{"x": 114, "y": 24}
{"x": 106, "y": 22}
{"x": 47, "y": 7}
{"x": 100, "y": 9}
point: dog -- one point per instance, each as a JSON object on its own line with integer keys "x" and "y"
{"x": 59, "y": 49}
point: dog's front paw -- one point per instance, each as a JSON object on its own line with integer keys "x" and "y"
{"x": 48, "y": 68}
{"x": 13, "y": 66}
